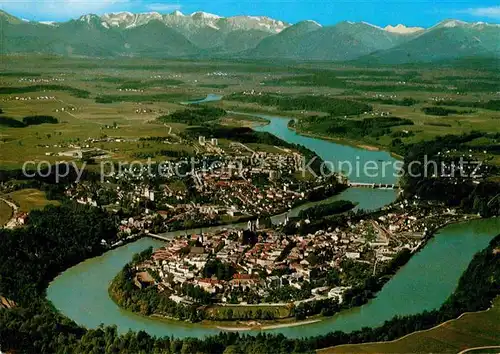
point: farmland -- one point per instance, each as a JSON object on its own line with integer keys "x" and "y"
{"x": 469, "y": 331}
{"x": 30, "y": 199}
{"x": 5, "y": 212}
{"x": 109, "y": 106}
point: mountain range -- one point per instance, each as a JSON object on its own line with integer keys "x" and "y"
{"x": 201, "y": 34}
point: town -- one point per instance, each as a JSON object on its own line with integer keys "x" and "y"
{"x": 265, "y": 266}
{"x": 217, "y": 186}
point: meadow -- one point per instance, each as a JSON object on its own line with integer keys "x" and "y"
{"x": 110, "y": 105}
{"x": 5, "y": 212}
{"x": 31, "y": 199}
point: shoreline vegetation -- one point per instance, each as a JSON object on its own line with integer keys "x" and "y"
{"x": 452, "y": 323}
{"x": 360, "y": 144}
{"x": 343, "y": 126}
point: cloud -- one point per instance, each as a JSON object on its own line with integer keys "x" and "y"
{"x": 492, "y": 12}
{"x": 164, "y": 7}
{"x": 60, "y": 9}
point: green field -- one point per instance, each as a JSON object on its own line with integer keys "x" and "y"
{"x": 469, "y": 331}
{"x": 31, "y": 199}
{"x": 247, "y": 312}
{"x": 5, "y": 212}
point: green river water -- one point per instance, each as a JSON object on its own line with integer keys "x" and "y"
{"x": 81, "y": 292}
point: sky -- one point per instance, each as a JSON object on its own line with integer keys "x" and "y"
{"x": 424, "y": 13}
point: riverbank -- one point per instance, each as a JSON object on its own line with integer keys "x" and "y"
{"x": 95, "y": 274}
{"x": 468, "y": 330}
{"x": 291, "y": 117}
{"x": 125, "y": 292}
{"x": 240, "y": 326}
{"x": 267, "y": 327}
{"x": 360, "y": 144}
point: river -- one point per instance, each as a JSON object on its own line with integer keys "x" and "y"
{"x": 81, "y": 292}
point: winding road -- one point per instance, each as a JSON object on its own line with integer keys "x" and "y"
{"x": 12, "y": 222}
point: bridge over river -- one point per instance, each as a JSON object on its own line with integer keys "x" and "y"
{"x": 373, "y": 185}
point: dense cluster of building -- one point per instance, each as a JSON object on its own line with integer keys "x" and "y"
{"x": 216, "y": 186}
{"x": 263, "y": 260}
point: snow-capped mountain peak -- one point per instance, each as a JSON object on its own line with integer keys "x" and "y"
{"x": 484, "y": 24}
{"x": 122, "y": 14}
{"x": 402, "y": 29}
{"x": 177, "y": 13}
{"x": 128, "y": 20}
{"x": 48, "y": 23}
{"x": 205, "y": 15}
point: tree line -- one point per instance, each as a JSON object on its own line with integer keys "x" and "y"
{"x": 194, "y": 116}
{"x": 40, "y": 88}
{"x": 406, "y": 101}
{"x": 27, "y": 121}
{"x": 442, "y": 111}
{"x": 351, "y": 128}
{"x": 333, "y": 106}
{"x": 493, "y": 105}
{"x": 321, "y": 210}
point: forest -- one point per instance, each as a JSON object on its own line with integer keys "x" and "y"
{"x": 27, "y": 121}
{"x": 11, "y": 123}
{"x": 350, "y": 128}
{"x": 473, "y": 195}
{"x": 54, "y": 239}
{"x": 333, "y": 106}
{"x": 196, "y": 116}
{"x": 37, "y": 120}
{"x": 406, "y": 101}
{"x": 322, "y": 210}
{"x": 40, "y": 88}
{"x": 442, "y": 112}
{"x": 493, "y": 105}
